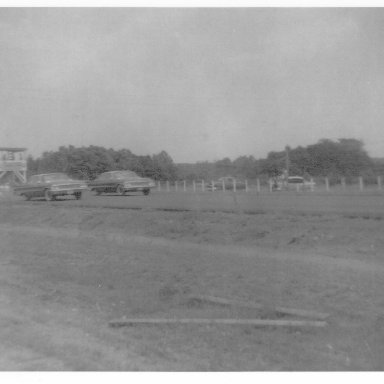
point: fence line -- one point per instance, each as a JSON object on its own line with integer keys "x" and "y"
{"x": 358, "y": 184}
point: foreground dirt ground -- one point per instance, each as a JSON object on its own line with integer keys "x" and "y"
{"x": 67, "y": 270}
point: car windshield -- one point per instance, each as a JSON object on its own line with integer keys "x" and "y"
{"x": 55, "y": 176}
{"x": 124, "y": 174}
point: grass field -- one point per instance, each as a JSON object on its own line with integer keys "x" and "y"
{"x": 70, "y": 267}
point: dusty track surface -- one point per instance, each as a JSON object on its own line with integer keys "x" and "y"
{"x": 369, "y": 204}
{"x": 68, "y": 269}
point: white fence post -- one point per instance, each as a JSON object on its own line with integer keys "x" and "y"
{"x": 213, "y": 186}
{"x": 343, "y": 183}
{"x": 185, "y": 185}
{"x": 194, "y": 185}
{"x": 379, "y": 182}
{"x": 234, "y": 185}
{"x": 223, "y": 182}
{"x": 327, "y": 184}
{"x": 246, "y": 185}
{"x": 202, "y": 185}
{"x": 167, "y": 186}
{"x": 159, "y": 185}
{"x": 258, "y": 185}
{"x": 270, "y": 185}
{"x": 361, "y": 183}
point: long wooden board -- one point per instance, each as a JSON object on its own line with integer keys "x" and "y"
{"x": 253, "y": 322}
{"x": 281, "y": 310}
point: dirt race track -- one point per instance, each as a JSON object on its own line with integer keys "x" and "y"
{"x": 70, "y": 267}
{"x": 369, "y": 203}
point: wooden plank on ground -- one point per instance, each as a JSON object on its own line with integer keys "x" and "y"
{"x": 253, "y": 322}
{"x": 281, "y": 310}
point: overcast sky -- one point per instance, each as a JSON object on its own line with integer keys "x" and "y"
{"x": 201, "y": 84}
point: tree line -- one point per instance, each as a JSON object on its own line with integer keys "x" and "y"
{"x": 327, "y": 158}
{"x": 345, "y": 158}
{"x": 88, "y": 162}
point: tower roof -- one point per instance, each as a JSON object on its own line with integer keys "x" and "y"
{"x": 9, "y": 149}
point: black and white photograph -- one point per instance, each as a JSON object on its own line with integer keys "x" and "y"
{"x": 191, "y": 189}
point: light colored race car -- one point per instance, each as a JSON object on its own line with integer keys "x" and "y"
{"x": 50, "y": 186}
{"x": 121, "y": 182}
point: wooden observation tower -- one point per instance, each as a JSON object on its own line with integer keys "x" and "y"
{"x": 13, "y": 165}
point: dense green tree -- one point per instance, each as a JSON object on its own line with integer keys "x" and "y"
{"x": 345, "y": 157}
{"x": 88, "y": 162}
{"x": 274, "y": 164}
{"x": 246, "y": 166}
{"x": 164, "y": 167}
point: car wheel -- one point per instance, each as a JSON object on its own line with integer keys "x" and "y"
{"x": 78, "y": 195}
{"x": 27, "y": 197}
{"x": 96, "y": 192}
{"x": 48, "y": 195}
{"x": 146, "y": 192}
{"x": 120, "y": 190}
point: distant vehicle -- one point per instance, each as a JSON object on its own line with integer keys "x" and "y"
{"x": 228, "y": 182}
{"x": 49, "y": 186}
{"x": 121, "y": 182}
{"x": 299, "y": 182}
{"x": 295, "y": 180}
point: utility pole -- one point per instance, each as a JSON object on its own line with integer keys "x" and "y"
{"x": 287, "y": 162}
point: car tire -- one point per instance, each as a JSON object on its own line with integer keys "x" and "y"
{"x": 146, "y": 192}
{"x": 120, "y": 190}
{"x": 78, "y": 195}
{"x": 48, "y": 195}
{"x": 27, "y": 197}
{"x": 96, "y": 192}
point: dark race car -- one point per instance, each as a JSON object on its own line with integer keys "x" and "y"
{"x": 51, "y": 185}
{"x": 121, "y": 182}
